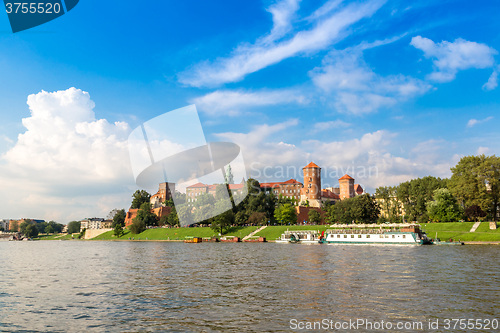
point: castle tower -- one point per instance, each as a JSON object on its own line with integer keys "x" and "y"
{"x": 346, "y": 183}
{"x": 312, "y": 182}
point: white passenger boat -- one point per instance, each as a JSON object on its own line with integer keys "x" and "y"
{"x": 409, "y": 234}
{"x": 300, "y": 236}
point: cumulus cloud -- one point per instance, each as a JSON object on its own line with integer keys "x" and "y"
{"x": 473, "y": 122}
{"x": 66, "y": 160}
{"x": 450, "y": 57}
{"x": 233, "y": 102}
{"x": 245, "y": 59}
{"x": 355, "y": 88}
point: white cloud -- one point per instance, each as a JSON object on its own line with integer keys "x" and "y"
{"x": 248, "y": 59}
{"x": 283, "y": 13}
{"x": 473, "y": 122}
{"x": 483, "y": 150}
{"x": 326, "y": 125}
{"x": 66, "y": 162}
{"x": 355, "y": 88}
{"x": 232, "y": 102}
{"x": 492, "y": 82}
{"x": 368, "y": 158}
{"x": 450, "y": 57}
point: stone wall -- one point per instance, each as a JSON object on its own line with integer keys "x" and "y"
{"x": 91, "y": 233}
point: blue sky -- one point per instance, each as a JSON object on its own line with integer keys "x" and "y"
{"x": 401, "y": 88}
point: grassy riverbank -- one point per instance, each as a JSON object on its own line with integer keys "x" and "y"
{"x": 175, "y": 233}
{"x": 444, "y": 231}
{"x": 460, "y": 231}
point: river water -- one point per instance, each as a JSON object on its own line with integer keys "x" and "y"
{"x": 77, "y": 286}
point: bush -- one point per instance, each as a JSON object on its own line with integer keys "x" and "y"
{"x": 137, "y": 226}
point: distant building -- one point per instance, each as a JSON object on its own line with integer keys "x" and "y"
{"x": 290, "y": 189}
{"x": 164, "y": 193}
{"x": 92, "y": 223}
{"x": 199, "y": 188}
{"x": 4, "y": 224}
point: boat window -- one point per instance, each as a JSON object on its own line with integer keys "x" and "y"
{"x": 338, "y": 236}
{"x": 359, "y": 236}
{"x": 367, "y": 236}
{"x": 404, "y": 236}
{"x": 352, "y": 236}
{"x": 345, "y": 236}
{"x": 393, "y": 236}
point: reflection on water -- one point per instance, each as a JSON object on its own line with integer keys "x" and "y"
{"x": 70, "y": 286}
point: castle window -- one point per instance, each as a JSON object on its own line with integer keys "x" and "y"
{"x": 310, "y": 179}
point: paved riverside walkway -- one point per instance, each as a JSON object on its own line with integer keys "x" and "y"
{"x": 475, "y": 226}
{"x": 254, "y": 232}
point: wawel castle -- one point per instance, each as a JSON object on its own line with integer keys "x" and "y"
{"x": 309, "y": 193}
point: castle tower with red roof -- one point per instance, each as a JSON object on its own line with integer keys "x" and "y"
{"x": 346, "y": 183}
{"x": 312, "y": 183}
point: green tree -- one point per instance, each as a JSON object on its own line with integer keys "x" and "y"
{"x": 74, "y": 227}
{"x": 145, "y": 215}
{"x": 257, "y": 218}
{"x": 49, "y": 229}
{"x": 415, "y": 194}
{"x": 222, "y": 222}
{"x": 56, "y": 227}
{"x": 285, "y": 214}
{"x": 172, "y": 218}
{"x": 476, "y": 182}
{"x": 119, "y": 218}
{"x": 14, "y": 226}
{"x": 118, "y": 230}
{"x": 314, "y": 216}
{"x": 241, "y": 217}
{"x": 474, "y": 213}
{"x": 140, "y": 197}
{"x": 24, "y": 225}
{"x": 31, "y": 231}
{"x": 444, "y": 207}
{"x": 137, "y": 226}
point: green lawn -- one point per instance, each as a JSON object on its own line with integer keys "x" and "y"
{"x": 55, "y": 237}
{"x": 445, "y": 231}
{"x": 460, "y": 231}
{"x": 175, "y": 233}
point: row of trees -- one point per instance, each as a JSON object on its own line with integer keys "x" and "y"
{"x": 472, "y": 193}
{"x": 31, "y": 228}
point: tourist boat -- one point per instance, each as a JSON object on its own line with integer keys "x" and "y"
{"x": 230, "y": 239}
{"x": 409, "y": 234}
{"x": 300, "y": 236}
{"x": 255, "y": 239}
{"x": 193, "y": 240}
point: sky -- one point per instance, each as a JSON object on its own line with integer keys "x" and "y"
{"x": 385, "y": 91}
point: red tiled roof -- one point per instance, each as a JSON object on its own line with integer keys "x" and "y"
{"x": 276, "y": 184}
{"x": 311, "y": 165}
{"x": 292, "y": 181}
{"x": 329, "y": 194}
{"x": 346, "y": 176}
{"x": 358, "y": 189}
{"x": 198, "y": 185}
{"x": 236, "y": 186}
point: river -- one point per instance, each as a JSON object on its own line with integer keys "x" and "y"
{"x": 91, "y": 286}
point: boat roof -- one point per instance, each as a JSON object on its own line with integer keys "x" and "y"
{"x": 374, "y": 225}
